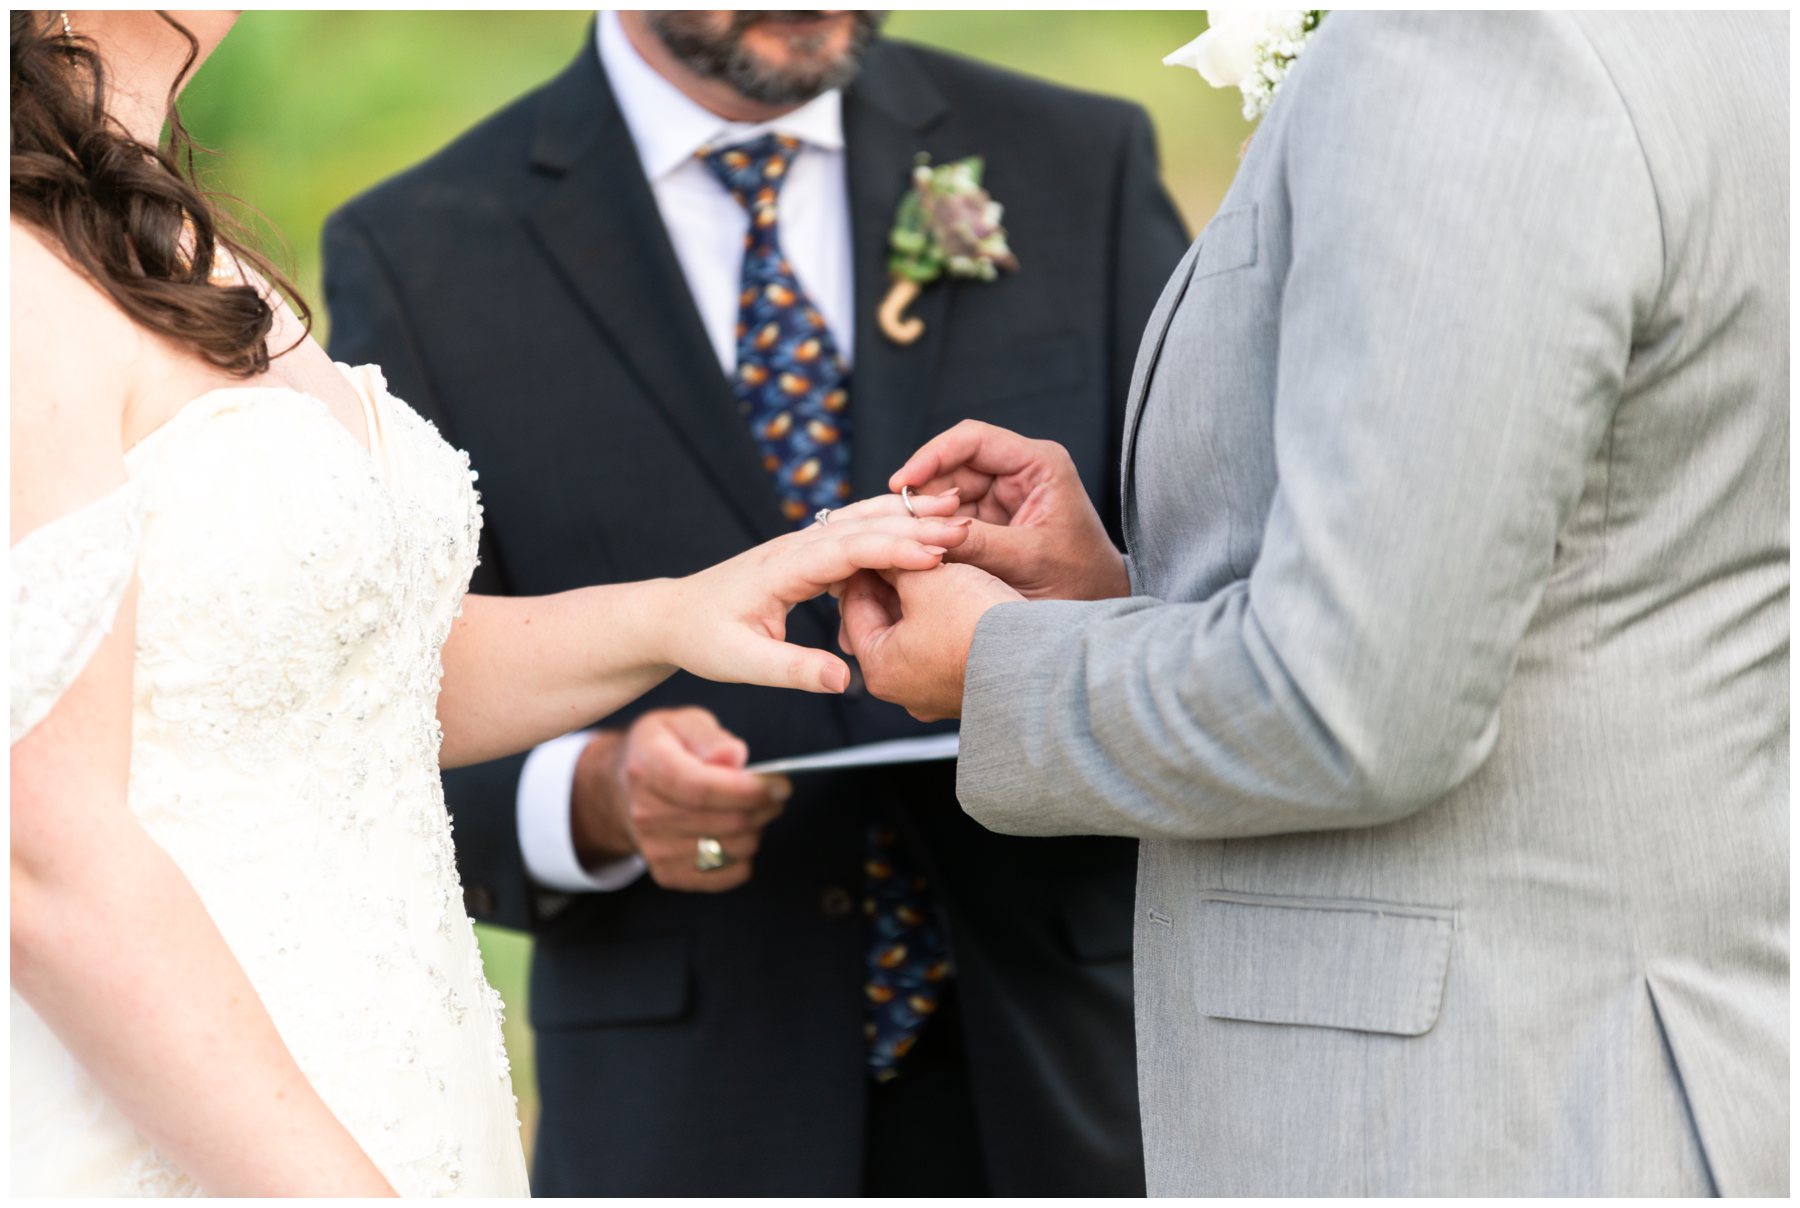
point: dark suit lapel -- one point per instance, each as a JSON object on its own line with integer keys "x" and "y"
{"x": 600, "y": 226}
{"x": 888, "y": 115}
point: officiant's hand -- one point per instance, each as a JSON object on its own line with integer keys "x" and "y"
{"x": 1034, "y": 524}
{"x": 675, "y": 777}
{"x": 729, "y": 622}
{"x": 911, "y": 632}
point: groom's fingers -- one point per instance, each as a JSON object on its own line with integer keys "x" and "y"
{"x": 882, "y": 593}
{"x": 1003, "y": 551}
{"x": 1036, "y": 506}
{"x": 868, "y": 608}
{"x": 982, "y": 448}
{"x": 971, "y": 486}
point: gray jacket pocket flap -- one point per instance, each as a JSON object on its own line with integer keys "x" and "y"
{"x": 1327, "y": 963}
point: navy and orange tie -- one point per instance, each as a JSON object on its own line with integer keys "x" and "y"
{"x": 792, "y": 384}
{"x": 793, "y": 389}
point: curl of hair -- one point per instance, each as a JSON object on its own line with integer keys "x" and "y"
{"x": 131, "y": 216}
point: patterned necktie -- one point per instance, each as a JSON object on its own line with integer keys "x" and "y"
{"x": 908, "y": 961}
{"x": 793, "y": 389}
{"x": 792, "y": 386}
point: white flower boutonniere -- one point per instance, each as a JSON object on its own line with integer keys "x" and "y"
{"x": 1251, "y": 51}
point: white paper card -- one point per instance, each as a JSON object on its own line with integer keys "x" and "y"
{"x": 873, "y": 754}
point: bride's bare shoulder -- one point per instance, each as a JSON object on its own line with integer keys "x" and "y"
{"x": 56, "y": 307}
{"x": 74, "y": 357}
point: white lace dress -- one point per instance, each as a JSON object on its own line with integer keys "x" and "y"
{"x": 295, "y": 591}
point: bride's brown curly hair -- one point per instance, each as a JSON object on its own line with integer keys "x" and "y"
{"x": 132, "y": 217}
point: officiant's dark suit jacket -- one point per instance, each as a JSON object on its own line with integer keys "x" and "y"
{"x": 519, "y": 290}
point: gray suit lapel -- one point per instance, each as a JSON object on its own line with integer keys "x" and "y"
{"x": 1148, "y": 351}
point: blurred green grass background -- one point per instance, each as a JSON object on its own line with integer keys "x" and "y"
{"x": 307, "y": 109}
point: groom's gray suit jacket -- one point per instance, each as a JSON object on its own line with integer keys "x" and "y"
{"x": 1453, "y": 705}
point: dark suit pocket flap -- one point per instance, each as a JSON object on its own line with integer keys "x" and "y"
{"x": 1228, "y": 242}
{"x": 583, "y": 985}
{"x": 1328, "y": 963}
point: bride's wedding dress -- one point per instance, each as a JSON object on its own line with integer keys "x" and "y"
{"x": 295, "y": 590}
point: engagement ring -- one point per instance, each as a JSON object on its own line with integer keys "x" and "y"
{"x": 822, "y": 516}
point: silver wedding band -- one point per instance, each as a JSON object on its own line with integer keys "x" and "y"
{"x": 710, "y": 855}
{"x": 906, "y": 498}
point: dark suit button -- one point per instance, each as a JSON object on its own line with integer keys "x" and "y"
{"x": 836, "y": 902}
{"x": 856, "y": 689}
{"x": 478, "y": 900}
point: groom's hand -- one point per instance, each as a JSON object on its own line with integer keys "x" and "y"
{"x": 675, "y": 777}
{"x": 911, "y": 632}
{"x": 1034, "y": 524}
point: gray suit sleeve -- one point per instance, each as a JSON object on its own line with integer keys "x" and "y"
{"x": 1475, "y": 237}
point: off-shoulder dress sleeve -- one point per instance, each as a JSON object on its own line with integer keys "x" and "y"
{"x": 66, "y": 580}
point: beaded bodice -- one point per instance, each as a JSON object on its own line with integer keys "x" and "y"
{"x": 295, "y": 593}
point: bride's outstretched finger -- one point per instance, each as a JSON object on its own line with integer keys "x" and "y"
{"x": 728, "y": 622}
{"x": 821, "y": 565}
{"x": 924, "y": 505}
{"x": 832, "y": 557}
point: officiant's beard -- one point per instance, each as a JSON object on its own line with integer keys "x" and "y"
{"x": 719, "y": 53}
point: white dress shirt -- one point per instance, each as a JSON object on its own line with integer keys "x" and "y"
{"x": 707, "y": 229}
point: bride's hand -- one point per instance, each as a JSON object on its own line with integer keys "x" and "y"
{"x": 729, "y": 622}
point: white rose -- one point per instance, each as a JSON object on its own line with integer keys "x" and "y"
{"x": 1227, "y": 53}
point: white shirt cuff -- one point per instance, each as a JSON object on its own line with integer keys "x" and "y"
{"x": 546, "y": 787}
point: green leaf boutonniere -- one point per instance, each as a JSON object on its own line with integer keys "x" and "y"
{"x": 946, "y": 223}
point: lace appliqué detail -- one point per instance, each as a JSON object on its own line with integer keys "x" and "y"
{"x": 66, "y": 581}
{"x": 153, "y": 1176}
{"x": 295, "y": 595}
